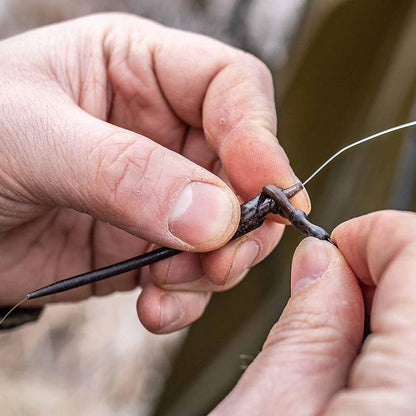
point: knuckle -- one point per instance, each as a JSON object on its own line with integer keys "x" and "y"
{"x": 246, "y": 67}
{"x": 390, "y": 223}
{"x": 386, "y": 221}
{"x": 385, "y": 360}
{"x": 257, "y": 65}
{"x": 120, "y": 166}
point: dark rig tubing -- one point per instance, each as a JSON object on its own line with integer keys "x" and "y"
{"x": 253, "y": 213}
{"x": 104, "y": 273}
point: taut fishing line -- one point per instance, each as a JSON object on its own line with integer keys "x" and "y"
{"x": 357, "y": 143}
{"x": 12, "y": 309}
{"x": 334, "y": 156}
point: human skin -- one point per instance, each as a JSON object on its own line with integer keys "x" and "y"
{"x": 105, "y": 121}
{"x": 118, "y": 134}
{"x": 313, "y": 361}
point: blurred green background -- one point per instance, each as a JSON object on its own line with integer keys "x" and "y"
{"x": 351, "y": 72}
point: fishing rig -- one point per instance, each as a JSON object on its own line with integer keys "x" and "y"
{"x": 272, "y": 200}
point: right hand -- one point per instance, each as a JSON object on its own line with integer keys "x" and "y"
{"x": 141, "y": 127}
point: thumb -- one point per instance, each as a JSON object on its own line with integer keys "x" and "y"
{"x": 308, "y": 353}
{"x": 132, "y": 182}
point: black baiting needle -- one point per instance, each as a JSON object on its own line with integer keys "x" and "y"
{"x": 253, "y": 213}
{"x": 104, "y": 273}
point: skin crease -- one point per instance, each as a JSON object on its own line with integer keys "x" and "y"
{"x": 104, "y": 121}
{"x": 84, "y": 107}
{"x": 312, "y": 362}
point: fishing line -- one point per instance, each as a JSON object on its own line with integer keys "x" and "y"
{"x": 165, "y": 252}
{"x": 12, "y": 309}
{"x": 357, "y": 143}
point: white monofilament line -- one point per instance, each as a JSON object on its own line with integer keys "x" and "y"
{"x": 366, "y": 139}
{"x": 11, "y": 310}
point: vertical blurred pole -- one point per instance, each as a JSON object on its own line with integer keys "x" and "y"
{"x": 404, "y": 184}
{"x": 237, "y": 27}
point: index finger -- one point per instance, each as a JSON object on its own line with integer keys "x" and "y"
{"x": 230, "y": 95}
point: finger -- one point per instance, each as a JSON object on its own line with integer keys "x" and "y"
{"x": 197, "y": 149}
{"x": 308, "y": 352}
{"x": 381, "y": 249}
{"x": 163, "y": 311}
{"x": 178, "y": 271}
{"x": 219, "y": 270}
{"x": 230, "y": 94}
{"x": 132, "y": 182}
{"x": 224, "y": 266}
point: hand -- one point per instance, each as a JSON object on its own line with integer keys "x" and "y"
{"x": 309, "y": 364}
{"x": 133, "y": 124}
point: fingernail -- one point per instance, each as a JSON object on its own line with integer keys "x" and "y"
{"x": 201, "y": 214}
{"x": 171, "y": 310}
{"x": 310, "y": 262}
{"x": 245, "y": 256}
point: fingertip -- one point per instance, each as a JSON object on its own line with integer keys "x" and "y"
{"x": 354, "y": 231}
{"x": 148, "y": 309}
{"x": 164, "y": 311}
{"x": 310, "y": 262}
{"x": 337, "y": 234}
{"x": 204, "y": 216}
{"x": 314, "y": 259}
{"x": 227, "y": 266}
{"x": 321, "y": 277}
{"x": 223, "y": 267}
{"x": 159, "y": 310}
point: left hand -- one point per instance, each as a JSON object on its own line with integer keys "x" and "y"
{"x": 313, "y": 361}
